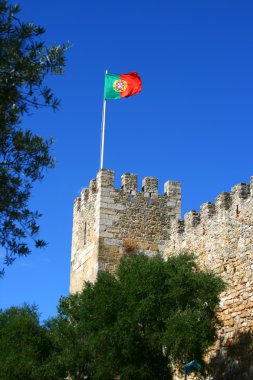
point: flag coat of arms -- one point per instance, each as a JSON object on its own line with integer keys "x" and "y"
{"x": 121, "y": 85}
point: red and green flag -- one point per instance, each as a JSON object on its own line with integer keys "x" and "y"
{"x": 122, "y": 85}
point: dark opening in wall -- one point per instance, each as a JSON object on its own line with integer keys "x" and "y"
{"x": 150, "y": 199}
{"x": 131, "y": 197}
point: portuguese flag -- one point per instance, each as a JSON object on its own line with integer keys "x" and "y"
{"x": 122, "y": 85}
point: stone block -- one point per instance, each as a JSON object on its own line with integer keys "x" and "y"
{"x": 207, "y": 210}
{"x": 192, "y": 218}
{"x": 150, "y": 185}
{"x": 241, "y": 191}
{"x": 223, "y": 201}
{"x": 105, "y": 178}
{"x": 129, "y": 182}
{"x": 93, "y": 186}
{"x": 172, "y": 189}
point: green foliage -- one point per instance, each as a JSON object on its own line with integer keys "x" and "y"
{"x": 24, "y": 345}
{"x": 70, "y": 356}
{"x": 25, "y": 62}
{"x": 153, "y": 314}
{"x": 133, "y": 326}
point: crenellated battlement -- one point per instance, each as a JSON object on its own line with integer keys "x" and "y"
{"x": 239, "y": 197}
{"x": 129, "y": 185}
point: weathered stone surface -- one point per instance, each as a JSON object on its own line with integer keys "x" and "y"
{"x": 110, "y": 222}
{"x": 221, "y": 238}
{"x": 129, "y": 182}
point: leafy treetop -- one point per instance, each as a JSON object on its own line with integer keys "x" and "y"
{"x": 153, "y": 314}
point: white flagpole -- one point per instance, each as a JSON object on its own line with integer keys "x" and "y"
{"x": 103, "y": 133}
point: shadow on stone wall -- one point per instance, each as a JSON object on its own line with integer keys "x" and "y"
{"x": 235, "y": 361}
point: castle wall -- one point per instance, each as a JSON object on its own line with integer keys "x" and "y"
{"x": 221, "y": 237}
{"x": 84, "y": 252}
{"x": 110, "y": 222}
{"x": 117, "y": 221}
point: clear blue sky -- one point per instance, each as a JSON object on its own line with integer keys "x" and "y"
{"x": 192, "y": 122}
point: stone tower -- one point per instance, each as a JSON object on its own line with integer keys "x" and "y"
{"x": 108, "y": 222}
